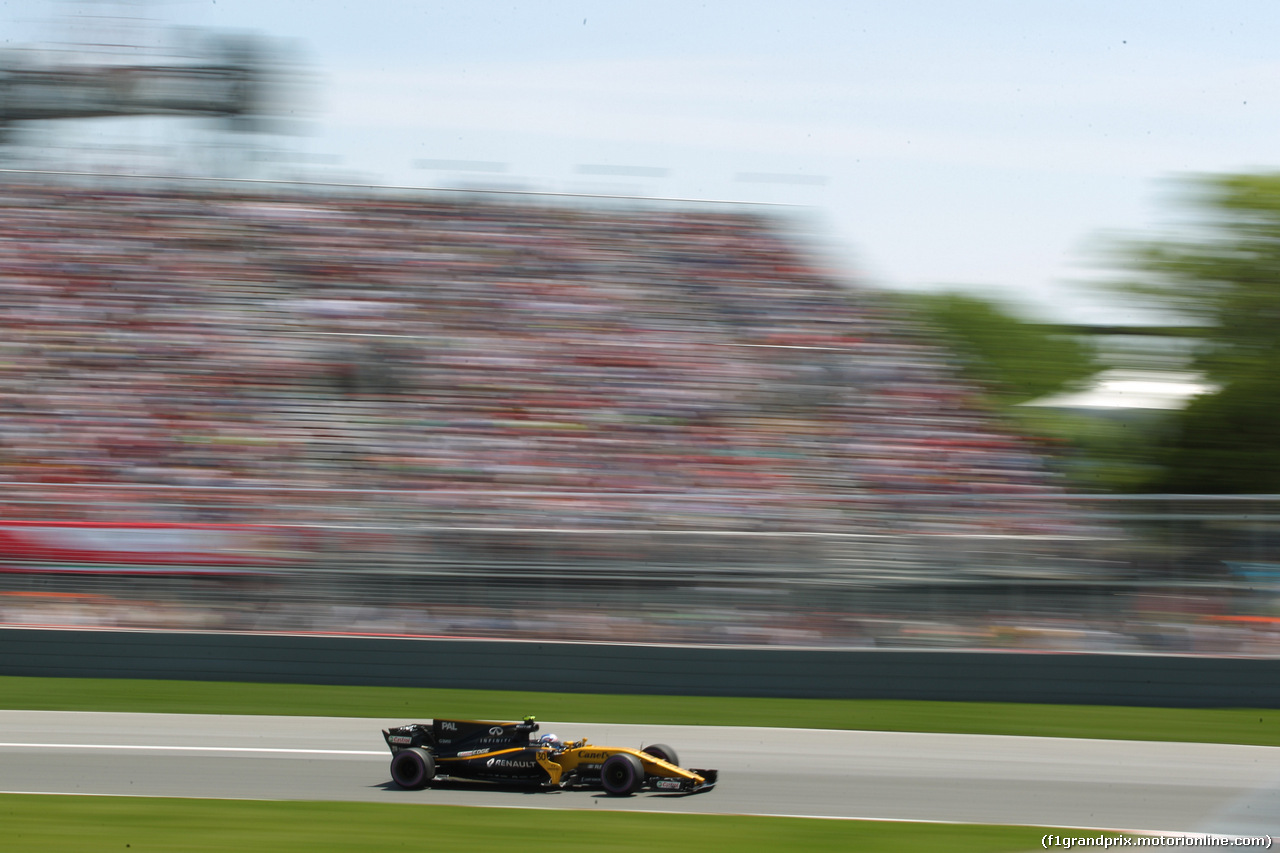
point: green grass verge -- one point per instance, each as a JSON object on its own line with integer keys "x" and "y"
{"x": 413, "y": 704}
{"x": 76, "y": 824}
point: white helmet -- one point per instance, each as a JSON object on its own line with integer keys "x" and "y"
{"x": 549, "y": 739}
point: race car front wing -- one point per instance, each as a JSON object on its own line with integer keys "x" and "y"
{"x": 687, "y": 786}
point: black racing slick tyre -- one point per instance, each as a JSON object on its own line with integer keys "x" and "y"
{"x": 662, "y": 751}
{"x": 622, "y": 774}
{"x": 412, "y": 768}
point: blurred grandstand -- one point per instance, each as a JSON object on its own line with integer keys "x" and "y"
{"x": 244, "y": 405}
{"x": 544, "y": 364}
{"x": 281, "y": 407}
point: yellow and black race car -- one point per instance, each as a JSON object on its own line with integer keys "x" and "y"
{"x": 506, "y": 753}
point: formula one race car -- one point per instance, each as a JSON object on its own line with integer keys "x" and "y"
{"x": 503, "y": 753}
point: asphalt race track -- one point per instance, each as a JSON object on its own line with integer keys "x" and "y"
{"x": 1097, "y": 784}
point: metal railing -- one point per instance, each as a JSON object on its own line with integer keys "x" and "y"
{"x": 1069, "y": 572}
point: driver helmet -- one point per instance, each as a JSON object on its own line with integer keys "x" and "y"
{"x": 549, "y": 740}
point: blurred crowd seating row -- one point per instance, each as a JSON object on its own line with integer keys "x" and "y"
{"x": 276, "y": 357}
{"x": 1129, "y": 629}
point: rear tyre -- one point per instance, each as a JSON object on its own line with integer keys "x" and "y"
{"x": 662, "y": 751}
{"x": 622, "y": 774}
{"x": 412, "y": 768}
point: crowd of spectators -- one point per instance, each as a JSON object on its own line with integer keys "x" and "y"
{"x": 176, "y": 354}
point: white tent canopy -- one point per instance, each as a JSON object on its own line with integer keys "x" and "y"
{"x": 1132, "y": 389}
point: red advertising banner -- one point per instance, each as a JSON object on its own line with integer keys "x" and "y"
{"x": 100, "y": 546}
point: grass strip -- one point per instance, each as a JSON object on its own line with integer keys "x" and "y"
{"x": 410, "y": 704}
{"x": 51, "y": 824}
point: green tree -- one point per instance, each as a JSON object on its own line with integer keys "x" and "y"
{"x": 1223, "y": 275}
{"x": 1014, "y": 360}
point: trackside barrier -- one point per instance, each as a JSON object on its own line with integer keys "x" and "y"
{"x": 1087, "y": 678}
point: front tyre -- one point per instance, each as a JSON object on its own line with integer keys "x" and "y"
{"x": 412, "y": 768}
{"x": 662, "y": 752}
{"x": 622, "y": 774}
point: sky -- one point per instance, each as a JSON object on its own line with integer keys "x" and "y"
{"x": 986, "y": 145}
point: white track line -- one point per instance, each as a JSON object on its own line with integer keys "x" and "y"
{"x": 264, "y": 749}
